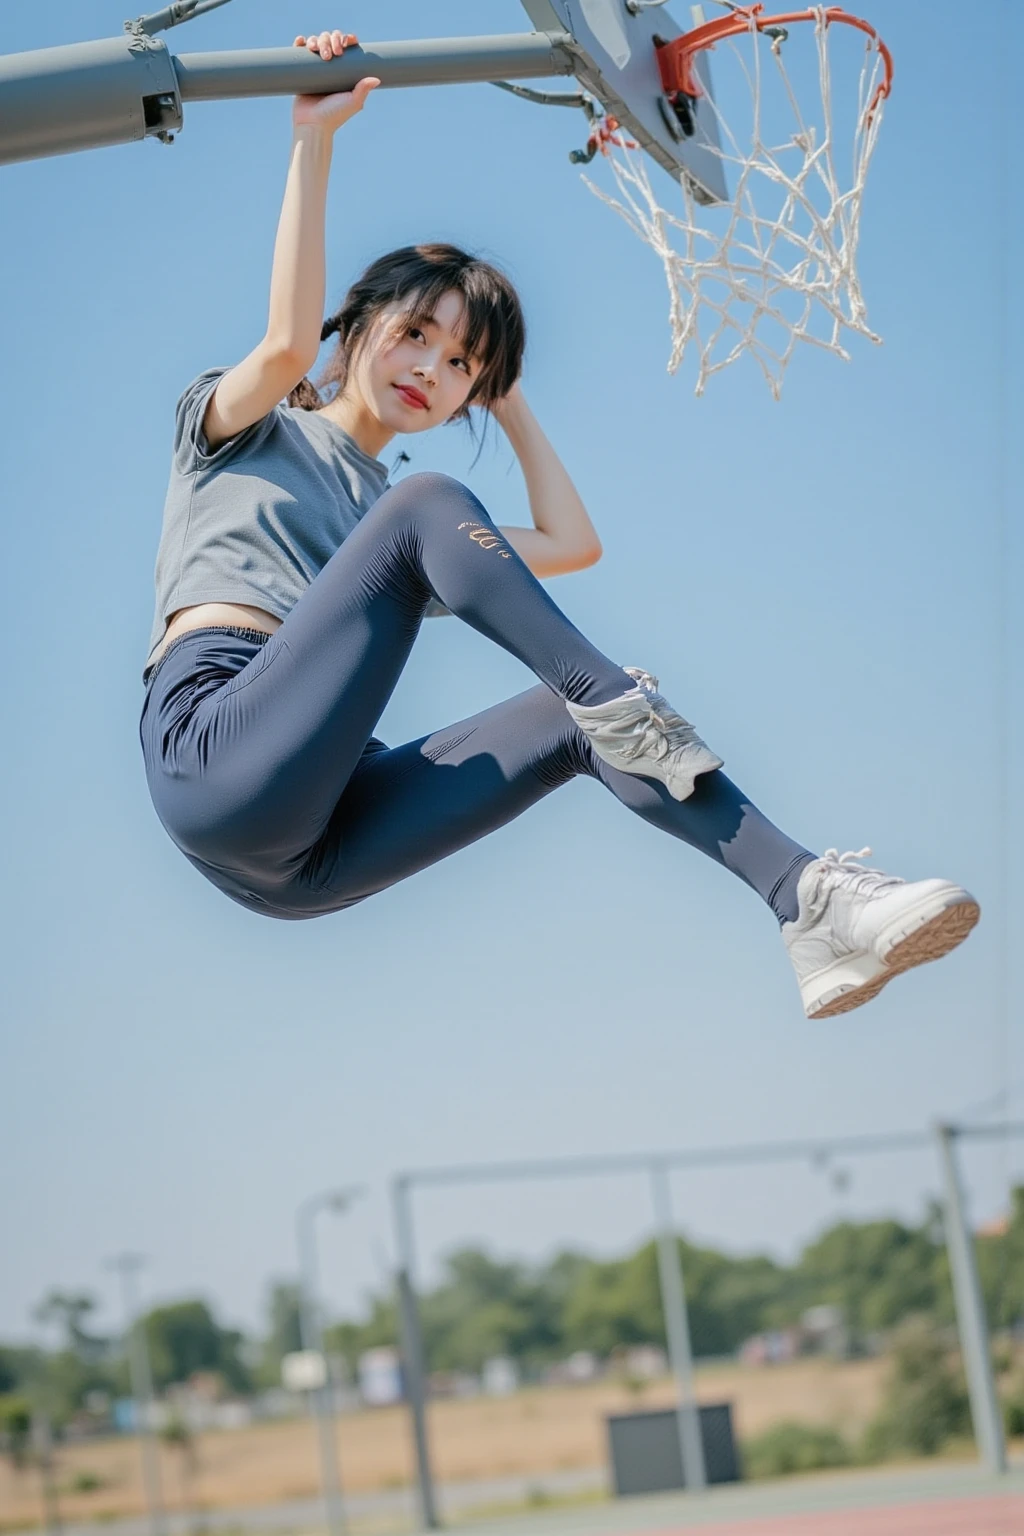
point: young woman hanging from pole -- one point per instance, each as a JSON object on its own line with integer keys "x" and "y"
{"x": 292, "y": 581}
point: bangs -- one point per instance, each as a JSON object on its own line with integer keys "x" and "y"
{"x": 478, "y": 318}
{"x": 489, "y": 326}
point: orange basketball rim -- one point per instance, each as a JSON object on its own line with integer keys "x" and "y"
{"x": 675, "y": 59}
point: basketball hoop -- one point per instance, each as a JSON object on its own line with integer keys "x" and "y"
{"x": 776, "y": 266}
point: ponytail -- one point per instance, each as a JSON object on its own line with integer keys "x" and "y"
{"x": 305, "y": 396}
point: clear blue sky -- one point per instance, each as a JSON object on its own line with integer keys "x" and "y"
{"x": 814, "y": 581}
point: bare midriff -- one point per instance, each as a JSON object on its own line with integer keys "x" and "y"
{"x": 215, "y": 615}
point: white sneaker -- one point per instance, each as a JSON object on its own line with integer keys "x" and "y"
{"x": 858, "y": 928}
{"x": 641, "y": 733}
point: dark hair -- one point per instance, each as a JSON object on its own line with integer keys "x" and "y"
{"x": 492, "y": 325}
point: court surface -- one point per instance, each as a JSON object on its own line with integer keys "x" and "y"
{"x": 940, "y": 1501}
{"x": 964, "y": 1517}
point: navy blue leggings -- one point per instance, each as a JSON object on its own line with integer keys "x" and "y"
{"x": 260, "y": 753}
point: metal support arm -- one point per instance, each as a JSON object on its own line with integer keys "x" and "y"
{"x": 432, "y": 61}
{"x": 119, "y": 89}
{"x": 173, "y": 15}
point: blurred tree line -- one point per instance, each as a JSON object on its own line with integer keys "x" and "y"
{"x": 880, "y": 1273}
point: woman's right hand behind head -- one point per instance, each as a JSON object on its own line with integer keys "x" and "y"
{"x": 330, "y": 112}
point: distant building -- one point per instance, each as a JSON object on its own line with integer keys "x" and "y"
{"x": 582, "y": 1366}
{"x": 645, "y": 1362}
{"x": 578, "y": 1368}
{"x": 453, "y": 1384}
{"x": 380, "y": 1377}
{"x": 772, "y": 1348}
{"x": 201, "y": 1403}
{"x": 825, "y": 1332}
{"x": 821, "y": 1331}
{"x": 277, "y": 1403}
{"x": 500, "y": 1376}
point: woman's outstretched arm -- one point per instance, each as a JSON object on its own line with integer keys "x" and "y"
{"x": 289, "y": 348}
{"x": 562, "y": 537}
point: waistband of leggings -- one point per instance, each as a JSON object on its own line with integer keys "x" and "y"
{"x": 236, "y": 632}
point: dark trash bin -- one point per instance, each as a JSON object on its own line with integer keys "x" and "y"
{"x": 645, "y": 1454}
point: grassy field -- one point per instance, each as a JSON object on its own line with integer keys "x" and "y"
{"x": 537, "y": 1431}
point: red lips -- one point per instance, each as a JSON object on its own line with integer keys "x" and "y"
{"x": 413, "y": 397}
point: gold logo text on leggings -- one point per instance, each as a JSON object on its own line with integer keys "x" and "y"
{"x": 486, "y": 537}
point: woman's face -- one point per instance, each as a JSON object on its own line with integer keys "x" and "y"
{"x": 413, "y": 379}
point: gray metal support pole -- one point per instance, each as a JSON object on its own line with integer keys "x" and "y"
{"x": 42, "y": 1444}
{"x": 119, "y": 89}
{"x": 312, "y": 1338}
{"x": 427, "y": 61}
{"x": 970, "y": 1311}
{"x": 677, "y": 1330}
{"x": 414, "y": 1370}
{"x": 127, "y": 1266}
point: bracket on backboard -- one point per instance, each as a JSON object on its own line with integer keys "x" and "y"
{"x": 615, "y": 53}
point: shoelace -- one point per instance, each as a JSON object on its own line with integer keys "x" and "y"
{"x": 866, "y": 881}
{"x": 645, "y": 680}
{"x": 671, "y": 730}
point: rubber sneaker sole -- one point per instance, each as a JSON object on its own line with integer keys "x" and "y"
{"x": 911, "y": 943}
{"x": 846, "y": 985}
{"x": 921, "y": 935}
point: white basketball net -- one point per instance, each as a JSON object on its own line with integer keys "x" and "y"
{"x": 778, "y": 265}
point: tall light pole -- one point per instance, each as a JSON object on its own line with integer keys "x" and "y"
{"x": 413, "y": 1363}
{"x": 311, "y": 1328}
{"x": 128, "y": 1266}
{"x": 677, "y": 1332}
{"x": 972, "y": 1323}
{"x": 42, "y": 1444}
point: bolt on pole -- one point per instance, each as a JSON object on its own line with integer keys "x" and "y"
{"x": 677, "y": 1330}
{"x": 970, "y": 1311}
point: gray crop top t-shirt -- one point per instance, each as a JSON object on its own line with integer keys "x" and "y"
{"x": 255, "y": 520}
